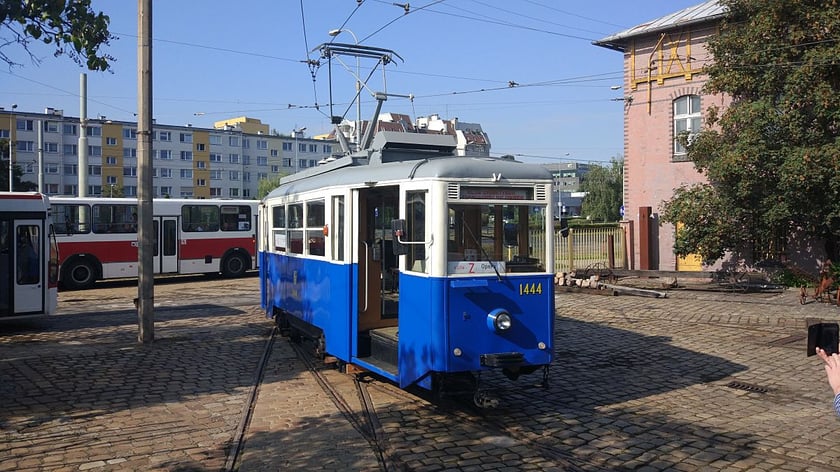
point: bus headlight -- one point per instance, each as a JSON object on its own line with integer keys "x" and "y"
{"x": 499, "y": 320}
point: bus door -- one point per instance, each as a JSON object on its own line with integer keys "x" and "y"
{"x": 28, "y": 247}
{"x": 166, "y": 244}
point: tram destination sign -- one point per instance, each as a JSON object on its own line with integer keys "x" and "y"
{"x": 495, "y": 193}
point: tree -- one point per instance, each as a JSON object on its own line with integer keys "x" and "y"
{"x": 70, "y": 25}
{"x": 772, "y": 158}
{"x": 603, "y": 186}
{"x": 18, "y": 185}
{"x": 265, "y": 186}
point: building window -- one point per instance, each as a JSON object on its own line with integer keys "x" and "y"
{"x": 186, "y": 137}
{"x": 275, "y": 169}
{"x": 94, "y": 170}
{"x": 262, "y": 160}
{"x": 234, "y": 175}
{"x": 186, "y": 173}
{"x": 70, "y": 169}
{"x": 51, "y": 127}
{"x": 233, "y": 141}
{"x": 302, "y": 147}
{"x": 216, "y": 174}
{"x": 215, "y": 140}
{"x": 186, "y": 155}
{"x": 111, "y": 160}
{"x": 69, "y": 149}
{"x": 686, "y": 121}
{"x": 110, "y": 141}
{"x": 165, "y": 135}
{"x": 166, "y": 174}
{"x": 130, "y": 171}
{"x": 287, "y": 162}
{"x": 246, "y": 160}
{"x": 275, "y": 153}
{"x": 215, "y": 157}
{"x": 215, "y": 192}
{"x": 70, "y": 190}
{"x": 129, "y": 133}
{"x": 95, "y": 151}
{"x": 165, "y": 191}
{"x": 200, "y": 165}
{"x": 313, "y": 148}
{"x": 287, "y": 146}
{"x": 233, "y": 192}
{"x": 200, "y": 183}
{"x": 233, "y": 158}
{"x": 51, "y": 168}
{"x": 111, "y": 180}
{"x": 26, "y": 146}
{"x": 130, "y": 153}
{"x": 166, "y": 154}
{"x": 25, "y": 125}
{"x": 327, "y": 149}
{"x": 93, "y": 131}
{"x": 199, "y": 146}
{"x": 52, "y": 189}
{"x": 69, "y": 129}
{"x": 262, "y": 144}
{"x": 51, "y": 148}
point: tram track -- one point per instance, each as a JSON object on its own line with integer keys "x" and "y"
{"x": 365, "y": 422}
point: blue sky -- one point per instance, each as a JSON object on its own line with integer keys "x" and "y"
{"x": 218, "y": 59}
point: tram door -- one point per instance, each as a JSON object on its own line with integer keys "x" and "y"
{"x": 28, "y": 274}
{"x": 166, "y": 244}
{"x": 378, "y": 266}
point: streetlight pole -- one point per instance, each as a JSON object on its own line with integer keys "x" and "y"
{"x": 358, "y": 126}
{"x": 295, "y": 135}
{"x": 11, "y": 174}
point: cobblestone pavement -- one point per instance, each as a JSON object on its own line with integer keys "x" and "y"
{"x": 695, "y": 381}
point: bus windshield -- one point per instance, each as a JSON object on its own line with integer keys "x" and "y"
{"x": 495, "y": 233}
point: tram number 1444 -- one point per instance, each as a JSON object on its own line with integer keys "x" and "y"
{"x": 530, "y": 289}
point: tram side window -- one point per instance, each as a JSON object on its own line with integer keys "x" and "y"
{"x": 236, "y": 218}
{"x": 71, "y": 219}
{"x": 114, "y": 218}
{"x": 200, "y": 218}
{"x": 295, "y": 224}
{"x": 315, "y": 227}
{"x": 28, "y": 255}
{"x": 416, "y": 230}
{"x": 278, "y": 217}
{"x": 337, "y": 230}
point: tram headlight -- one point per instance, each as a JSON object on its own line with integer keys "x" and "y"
{"x": 499, "y": 321}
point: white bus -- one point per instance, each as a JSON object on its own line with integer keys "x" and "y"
{"x": 28, "y": 256}
{"x": 97, "y": 237}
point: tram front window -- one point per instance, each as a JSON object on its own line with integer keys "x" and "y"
{"x": 503, "y": 234}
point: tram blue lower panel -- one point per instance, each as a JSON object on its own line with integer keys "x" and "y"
{"x": 438, "y": 315}
{"x": 315, "y": 291}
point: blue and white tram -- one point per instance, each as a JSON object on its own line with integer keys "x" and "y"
{"x": 412, "y": 263}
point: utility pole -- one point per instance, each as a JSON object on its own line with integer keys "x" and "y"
{"x": 145, "y": 236}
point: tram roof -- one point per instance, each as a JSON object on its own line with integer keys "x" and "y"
{"x": 397, "y": 156}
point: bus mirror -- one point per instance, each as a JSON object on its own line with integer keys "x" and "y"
{"x": 398, "y": 233}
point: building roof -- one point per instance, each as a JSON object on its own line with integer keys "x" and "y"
{"x": 707, "y": 11}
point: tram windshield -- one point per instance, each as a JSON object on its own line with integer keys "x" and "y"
{"x": 506, "y": 235}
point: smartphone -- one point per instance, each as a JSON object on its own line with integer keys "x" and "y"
{"x": 825, "y": 336}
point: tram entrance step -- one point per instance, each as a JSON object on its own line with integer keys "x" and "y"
{"x": 384, "y": 344}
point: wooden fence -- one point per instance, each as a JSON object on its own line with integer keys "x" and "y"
{"x": 584, "y": 247}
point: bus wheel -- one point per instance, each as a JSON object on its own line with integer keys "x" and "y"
{"x": 79, "y": 275}
{"x": 234, "y": 265}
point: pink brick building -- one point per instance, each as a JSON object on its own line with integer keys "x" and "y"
{"x": 663, "y": 96}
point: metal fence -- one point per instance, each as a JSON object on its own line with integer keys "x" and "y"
{"x": 584, "y": 247}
